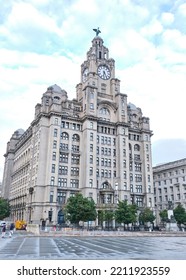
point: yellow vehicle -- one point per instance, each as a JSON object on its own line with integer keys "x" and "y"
{"x": 20, "y": 225}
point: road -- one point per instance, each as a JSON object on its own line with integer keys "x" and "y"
{"x": 87, "y": 248}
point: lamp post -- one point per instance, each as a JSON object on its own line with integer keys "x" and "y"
{"x": 116, "y": 189}
{"x": 31, "y": 190}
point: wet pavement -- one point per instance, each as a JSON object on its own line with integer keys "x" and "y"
{"x": 93, "y": 247}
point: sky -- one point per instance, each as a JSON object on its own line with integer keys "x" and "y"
{"x": 44, "y": 43}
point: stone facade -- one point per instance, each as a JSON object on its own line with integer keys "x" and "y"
{"x": 96, "y": 144}
{"x": 169, "y": 185}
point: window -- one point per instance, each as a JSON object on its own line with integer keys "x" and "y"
{"x": 54, "y": 144}
{"x": 90, "y": 171}
{"x": 63, "y": 158}
{"x": 75, "y": 159}
{"x": 62, "y": 182}
{"x": 136, "y": 157}
{"x": 63, "y": 170}
{"x": 125, "y": 186}
{"x": 64, "y": 136}
{"x": 75, "y": 137}
{"x": 64, "y": 146}
{"x": 137, "y": 166}
{"x": 91, "y": 159}
{"x": 91, "y": 147}
{"x": 139, "y": 188}
{"x": 52, "y": 181}
{"x": 104, "y": 111}
{"x": 74, "y": 183}
{"x": 54, "y": 156}
{"x": 53, "y": 168}
{"x": 61, "y": 197}
{"x": 138, "y": 178}
{"x": 139, "y": 201}
{"x": 75, "y": 148}
{"x": 97, "y": 161}
{"x": 92, "y": 106}
{"x": 90, "y": 183}
{"x": 91, "y": 136}
{"x": 91, "y": 124}
{"x": 136, "y": 147}
{"x": 51, "y": 196}
{"x": 55, "y": 132}
{"x": 74, "y": 171}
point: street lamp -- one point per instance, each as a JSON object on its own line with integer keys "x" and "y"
{"x": 116, "y": 189}
{"x": 31, "y": 190}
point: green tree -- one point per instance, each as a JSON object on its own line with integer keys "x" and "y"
{"x": 164, "y": 216}
{"x": 108, "y": 216}
{"x": 126, "y": 213}
{"x": 80, "y": 208}
{"x": 4, "y": 208}
{"x": 180, "y": 214}
{"x": 146, "y": 216}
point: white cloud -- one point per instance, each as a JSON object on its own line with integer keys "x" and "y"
{"x": 182, "y": 9}
{"x": 167, "y": 18}
{"x": 44, "y": 42}
{"x": 153, "y": 28}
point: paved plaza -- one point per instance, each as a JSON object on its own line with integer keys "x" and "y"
{"x": 93, "y": 247}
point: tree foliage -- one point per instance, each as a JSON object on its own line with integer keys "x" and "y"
{"x": 4, "y": 208}
{"x": 126, "y": 213}
{"x": 80, "y": 208}
{"x": 164, "y": 215}
{"x": 180, "y": 214}
{"x": 146, "y": 216}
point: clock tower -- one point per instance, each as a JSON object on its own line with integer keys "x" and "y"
{"x": 98, "y": 80}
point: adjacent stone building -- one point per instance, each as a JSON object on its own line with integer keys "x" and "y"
{"x": 96, "y": 144}
{"x": 169, "y": 185}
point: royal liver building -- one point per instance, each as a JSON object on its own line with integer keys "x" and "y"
{"x": 96, "y": 144}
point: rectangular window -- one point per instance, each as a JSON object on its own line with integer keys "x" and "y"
{"x": 52, "y": 181}
{"x": 54, "y": 144}
{"x": 90, "y": 183}
{"x": 91, "y": 159}
{"x": 75, "y": 159}
{"x": 51, "y": 196}
{"x": 53, "y": 168}
{"x": 91, "y": 136}
{"x": 74, "y": 183}
{"x": 90, "y": 171}
{"x": 61, "y": 197}
{"x": 75, "y": 148}
{"x": 54, "y": 156}
{"x": 55, "y": 132}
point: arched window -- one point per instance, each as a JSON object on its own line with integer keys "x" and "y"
{"x": 104, "y": 111}
{"x": 64, "y": 136}
{"x": 136, "y": 147}
{"x": 75, "y": 137}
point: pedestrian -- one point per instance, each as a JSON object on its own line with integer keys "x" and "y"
{"x": 3, "y": 231}
{"x": 11, "y": 229}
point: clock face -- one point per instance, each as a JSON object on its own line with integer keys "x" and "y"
{"x": 85, "y": 74}
{"x": 104, "y": 72}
